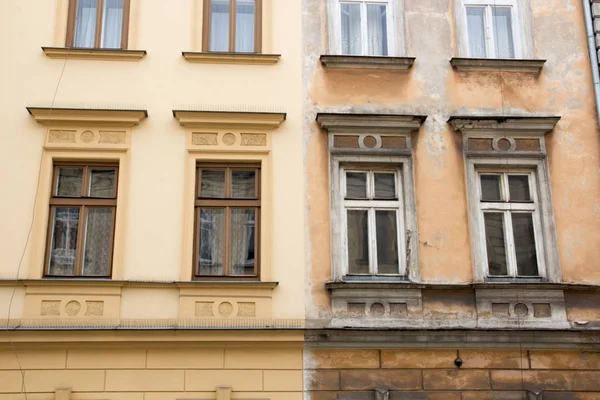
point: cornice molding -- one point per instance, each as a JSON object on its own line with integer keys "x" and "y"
{"x": 367, "y": 62}
{"x": 70, "y": 53}
{"x": 231, "y": 58}
{"x": 229, "y": 119}
{"x": 511, "y": 125}
{"x": 333, "y": 285}
{"x": 388, "y": 123}
{"x": 497, "y": 65}
{"x": 79, "y": 116}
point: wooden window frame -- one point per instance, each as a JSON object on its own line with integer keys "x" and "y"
{"x": 232, "y": 14}
{"x": 72, "y": 18}
{"x": 506, "y": 208}
{"x": 82, "y": 202}
{"x": 372, "y": 205}
{"x": 227, "y": 204}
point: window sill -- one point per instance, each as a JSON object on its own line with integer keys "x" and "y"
{"x": 497, "y": 65}
{"x": 367, "y": 62}
{"x": 231, "y": 58}
{"x": 70, "y": 53}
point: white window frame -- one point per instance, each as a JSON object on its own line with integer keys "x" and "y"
{"x": 371, "y": 205}
{"x": 490, "y": 45}
{"x": 506, "y": 209}
{"x": 394, "y": 24}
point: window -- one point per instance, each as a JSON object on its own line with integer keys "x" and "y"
{"x": 374, "y": 222}
{"x": 509, "y": 211}
{"x": 366, "y": 27}
{"x": 227, "y": 211}
{"x": 232, "y": 26}
{"x": 98, "y": 24}
{"x": 491, "y": 29}
{"x": 83, "y": 206}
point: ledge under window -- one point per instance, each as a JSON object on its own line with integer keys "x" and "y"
{"x": 71, "y": 53}
{"x": 497, "y": 64}
{"x": 231, "y": 58}
{"x": 367, "y": 62}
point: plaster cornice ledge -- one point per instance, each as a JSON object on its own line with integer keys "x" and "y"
{"x": 534, "y": 125}
{"x": 497, "y": 64}
{"x": 231, "y": 58}
{"x": 229, "y": 119}
{"x": 76, "y": 116}
{"x": 388, "y": 123}
{"x": 367, "y": 62}
{"x": 73, "y": 53}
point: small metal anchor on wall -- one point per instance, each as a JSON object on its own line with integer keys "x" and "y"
{"x": 382, "y": 394}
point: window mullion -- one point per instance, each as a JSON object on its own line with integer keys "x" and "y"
{"x": 232, "y": 25}
{"x": 510, "y": 244}
{"x": 537, "y": 238}
{"x": 364, "y": 29}
{"x": 79, "y": 252}
{"x": 227, "y": 233}
{"x": 372, "y": 242}
{"x": 489, "y": 33}
{"x": 99, "y": 19}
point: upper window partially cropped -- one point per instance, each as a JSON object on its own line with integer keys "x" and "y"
{"x": 232, "y": 26}
{"x": 492, "y": 30}
{"x": 98, "y": 24}
{"x": 366, "y": 27}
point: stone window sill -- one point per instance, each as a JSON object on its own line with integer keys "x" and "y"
{"x": 497, "y": 65}
{"x": 71, "y": 53}
{"x": 367, "y": 62}
{"x": 231, "y": 58}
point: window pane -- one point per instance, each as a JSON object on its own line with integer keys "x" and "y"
{"x": 490, "y": 188}
{"x": 503, "y": 32}
{"x": 112, "y": 24}
{"x": 244, "y": 25}
{"x": 476, "y": 31}
{"x": 377, "y": 29}
{"x": 63, "y": 248}
{"x": 212, "y": 183}
{"x": 387, "y": 242}
{"x": 356, "y": 185}
{"x": 243, "y": 241}
{"x": 495, "y": 244}
{"x": 102, "y": 182}
{"x": 85, "y": 23}
{"x": 385, "y": 186}
{"x": 219, "y": 25}
{"x": 243, "y": 184}
{"x": 212, "y": 241}
{"x": 70, "y": 181}
{"x": 98, "y": 237}
{"x": 525, "y": 244}
{"x": 351, "y": 34}
{"x": 518, "y": 186}
{"x": 358, "y": 242}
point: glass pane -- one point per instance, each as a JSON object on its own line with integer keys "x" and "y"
{"x": 98, "y": 238}
{"x": 102, "y": 182}
{"x": 70, "y": 181}
{"x": 358, "y": 242}
{"x": 525, "y": 244}
{"x": 351, "y": 33}
{"x": 219, "y": 25}
{"x": 490, "y": 188}
{"x": 387, "y": 242}
{"x": 385, "y": 186}
{"x": 85, "y": 23}
{"x": 356, "y": 185}
{"x": 495, "y": 243}
{"x": 212, "y": 241}
{"x": 503, "y": 32}
{"x": 476, "y": 31}
{"x": 243, "y": 184}
{"x": 518, "y": 186}
{"x": 112, "y": 25}
{"x": 377, "y": 29}
{"x": 63, "y": 248}
{"x": 212, "y": 183}
{"x": 244, "y": 25}
{"x": 243, "y": 241}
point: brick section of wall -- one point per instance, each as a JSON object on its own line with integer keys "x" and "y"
{"x": 353, "y": 374}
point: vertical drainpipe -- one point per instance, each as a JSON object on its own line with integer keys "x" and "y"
{"x": 589, "y": 28}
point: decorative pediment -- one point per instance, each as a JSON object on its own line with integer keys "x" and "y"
{"x": 229, "y": 119}
{"x": 50, "y": 116}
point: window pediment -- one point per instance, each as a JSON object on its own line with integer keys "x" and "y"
{"x": 50, "y": 116}
{"x": 230, "y": 119}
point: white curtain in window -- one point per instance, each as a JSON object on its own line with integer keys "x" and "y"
{"x": 85, "y": 23}
{"x": 244, "y": 25}
{"x": 219, "y": 25}
{"x": 476, "y": 31}
{"x": 503, "y": 32}
{"x": 377, "y": 29}
{"x": 351, "y": 30}
{"x": 112, "y": 25}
